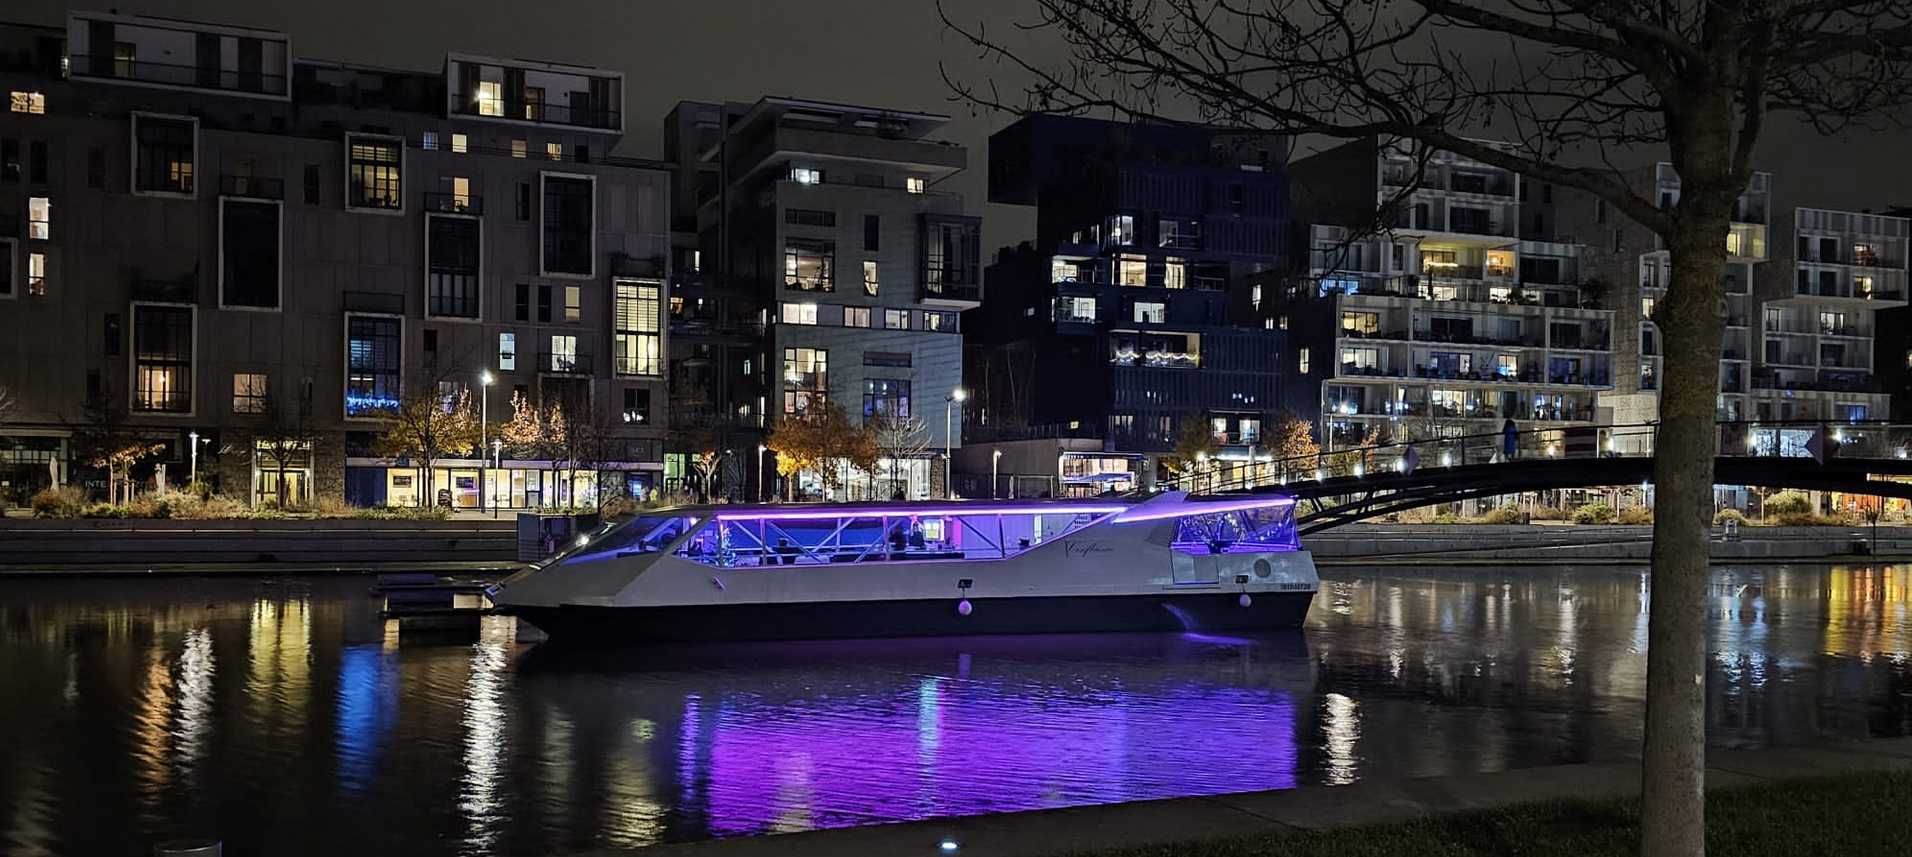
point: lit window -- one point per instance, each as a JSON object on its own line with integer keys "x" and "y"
{"x": 806, "y": 175}
{"x": 1862, "y": 286}
{"x": 36, "y": 273}
{"x": 795, "y": 313}
{"x": 507, "y": 352}
{"x": 1122, "y": 229}
{"x": 429, "y": 140}
{"x": 1646, "y": 308}
{"x": 518, "y": 148}
{"x": 869, "y": 278}
{"x": 1254, "y": 296}
{"x": 915, "y": 184}
{"x": 806, "y": 374}
{"x": 459, "y": 143}
{"x": 39, "y": 218}
{"x": 1175, "y": 274}
{"x": 28, "y": 102}
{"x": 1284, "y": 323}
{"x": 636, "y": 342}
{"x": 163, "y": 359}
{"x": 490, "y": 98}
{"x": 248, "y": 393}
{"x": 573, "y": 303}
{"x": 1268, "y": 324}
{"x": 896, "y": 319}
{"x": 1076, "y": 309}
{"x": 1302, "y": 361}
{"x": 373, "y": 173}
{"x": 807, "y": 264}
{"x": 554, "y": 151}
{"x": 1151, "y": 312}
{"x": 696, "y": 261}
{"x": 856, "y": 316}
{"x": 1132, "y": 271}
{"x": 564, "y": 353}
{"x": 932, "y": 320}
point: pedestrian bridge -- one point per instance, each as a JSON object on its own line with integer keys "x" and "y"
{"x": 1336, "y": 487}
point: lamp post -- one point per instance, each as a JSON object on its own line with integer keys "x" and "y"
{"x": 193, "y": 474}
{"x": 761, "y": 449}
{"x": 995, "y": 458}
{"x": 484, "y": 428}
{"x": 949, "y": 442}
{"x": 497, "y": 461}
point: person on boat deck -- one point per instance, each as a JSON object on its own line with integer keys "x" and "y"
{"x": 898, "y": 539}
{"x": 786, "y": 551}
{"x": 916, "y": 537}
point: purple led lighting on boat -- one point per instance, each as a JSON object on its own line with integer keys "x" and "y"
{"x": 916, "y": 512}
{"x": 1154, "y": 512}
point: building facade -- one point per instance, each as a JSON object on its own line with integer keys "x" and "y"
{"x": 1436, "y": 301}
{"x": 1113, "y": 324}
{"x": 834, "y": 271}
{"x": 223, "y": 245}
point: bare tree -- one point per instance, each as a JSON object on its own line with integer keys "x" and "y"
{"x": 8, "y": 404}
{"x": 284, "y": 436}
{"x": 1569, "y": 84}
{"x": 898, "y": 440}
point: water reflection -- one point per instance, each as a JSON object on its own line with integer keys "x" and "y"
{"x": 284, "y": 717}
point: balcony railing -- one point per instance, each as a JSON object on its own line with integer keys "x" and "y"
{"x": 966, "y": 292}
{"x": 582, "y": 116}
{"x": 453, "y": 203}
{"x": 563, "y": 363}
{"x": 256, "y": 187}
{"x": 173, "y": 74}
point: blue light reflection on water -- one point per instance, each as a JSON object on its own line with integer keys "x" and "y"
{"x": 248, "y": 710}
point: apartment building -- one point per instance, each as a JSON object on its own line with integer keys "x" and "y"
{"x": 215, "y": 241}
{"x": 1437, "y": 300}
{"x": 827, "y": 227}
{"x": 1108, "y": 334}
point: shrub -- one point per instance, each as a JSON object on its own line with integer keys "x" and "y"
{"x": 1502, "y": 515}
{"x": 1788, "y": 503}
{"x": 1593, "y": 513}
{"x": 1722, "y": 516}
{"x": 1548, "y": 513}
{"x": 330, "y": 506}
{"x": 211, "y": 508}
{"x": 103, "y": 510}
{"x": 1634, "y": 515}
{"x": 617, "y": 506}
{"x": 1446, "y": 517}
{"x": 266, "y": 512}
{"x": 150, "y": 506}
{"x": 198, "y": 490}
{"x": 58, "y": 501}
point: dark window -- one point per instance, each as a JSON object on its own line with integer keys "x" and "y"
{"x": 431, "y": 341}
{"x": 568, "y": 225}
{"x": 96, "y": 168}
{"x": 372, "y": 360}
{"x": 886, "y": 399}
{"x": 311, "y": 184}
{"x": 113, "y": 334}
{"x": 584, "y": 154}
{"x": 809, "y": 217}
{"x": 6, "y": 269}
{"x": 892, "y": 359}
{"x": 10, "y": 160}
{"x": 452, "y": 266}
{"x": 249, "y": 253}
{"x": 163, "y": 359}
{"x": 164, "y": 159}
{"x": 637, "y": 405}
{"x": 523, "y": 303}
{"x": 872, "y": 232}
{"x": 1546, "y": 193}
{"x": 92, "y": 383}
{"x": 544, "y": 303}
{"x": 951, "y": 253}
{"x": 36, "y": 160}
{"x": 524, "y": 200}
{"x": 373, "y": 173}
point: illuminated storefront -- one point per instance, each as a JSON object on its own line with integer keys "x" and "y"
{"x": 515, "y": 485}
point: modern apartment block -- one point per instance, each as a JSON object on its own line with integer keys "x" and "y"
{"x": 209, "y": 237}
{"x": 825, "y": 226}
{"x": 1113, "y": 325}
{"x": 1452, "y": 310}
{"x": 1803, "y": 288}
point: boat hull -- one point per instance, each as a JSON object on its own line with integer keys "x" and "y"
{"x": 1170, "y": 611}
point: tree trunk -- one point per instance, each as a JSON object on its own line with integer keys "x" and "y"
{"x": 1674, "y": 750}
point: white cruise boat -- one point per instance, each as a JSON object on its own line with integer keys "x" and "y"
{"x": 775, "y": 572}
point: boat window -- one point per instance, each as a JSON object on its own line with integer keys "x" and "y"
{"x": 645, "y": 533}
{"x": 1257, "y": 530}
{"x": 786, "y": 539}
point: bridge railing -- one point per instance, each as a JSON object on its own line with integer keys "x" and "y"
{"x": 1877, "y": 439}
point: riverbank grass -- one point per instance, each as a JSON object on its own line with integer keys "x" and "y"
{"x": 1856, "y": 814}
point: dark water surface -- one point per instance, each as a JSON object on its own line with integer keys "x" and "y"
{"x": 282, "y": 716}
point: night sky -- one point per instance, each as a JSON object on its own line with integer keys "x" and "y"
{"x": 877, "y": 52}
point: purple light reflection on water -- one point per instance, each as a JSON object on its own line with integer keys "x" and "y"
{"x": 967, "y": 747}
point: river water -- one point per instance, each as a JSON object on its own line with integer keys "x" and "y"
{"x": 283, "y": 717}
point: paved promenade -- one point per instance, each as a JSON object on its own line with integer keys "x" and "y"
{"x": 1375, "y": 801}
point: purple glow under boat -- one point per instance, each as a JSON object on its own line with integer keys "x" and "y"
{"x": 1170, "y": 563}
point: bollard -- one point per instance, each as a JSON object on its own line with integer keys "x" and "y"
{"x": 188, "y": 848}
{"x": 1731, "y": 530}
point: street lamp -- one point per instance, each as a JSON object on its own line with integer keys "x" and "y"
{"x": 484, "y": 427}
{"x": 995, "y": 459}
{"x": 949, "y": 442}
{"x": 194, "y": 474}
{"x": 761, "y": 449}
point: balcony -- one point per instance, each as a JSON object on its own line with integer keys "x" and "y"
{"x": 452, "y": 203}
{"x": 254, "y": 187}
{"x": 562, "y": 363}
{"x": 178, "y": 290}
{"x": 171, "y": 74}
{"x": 384, "y": 303}
{"x": 966, "y": 294}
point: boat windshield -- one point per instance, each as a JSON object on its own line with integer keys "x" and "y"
{"x": 643, "y": 534}
{"x": 821, "y": 538}
{"x": 1251, "y": 530}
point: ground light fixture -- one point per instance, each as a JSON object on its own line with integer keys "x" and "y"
{"x": 948, "y": 845}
